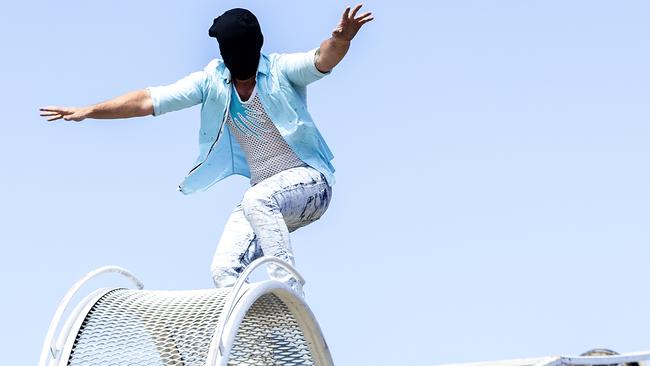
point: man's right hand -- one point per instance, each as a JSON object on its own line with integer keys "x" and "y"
{"x": 52, "y": 113}
{"x": 133, "y": 104}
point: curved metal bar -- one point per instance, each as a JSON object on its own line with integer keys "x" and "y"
{"x": 236, "y": 294}
{"x": 220, "y": 347}
{"x": 66, "y": 350}
{"x": 265, "y": 260}
{"x": 78, "y": 312}
{"x": 48, "y": 346}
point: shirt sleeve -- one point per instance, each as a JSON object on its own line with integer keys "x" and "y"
{"x": 300, "y": 67}
{"x": 184, "y": 93}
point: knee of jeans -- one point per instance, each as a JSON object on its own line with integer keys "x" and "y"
{"x": 253, "y": 200}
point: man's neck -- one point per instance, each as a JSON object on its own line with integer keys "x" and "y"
{"x": 248, "y": 83}
{"x": 245, "y": 87}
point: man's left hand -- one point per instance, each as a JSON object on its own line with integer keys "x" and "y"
{"x": 349, "y": 25}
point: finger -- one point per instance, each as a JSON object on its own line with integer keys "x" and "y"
{"x": 345, "y": 13}
{"x": 62, "y": 110}
{"x": 49, "y": 109}
{"x": 366, "y": 21}
{"x": 43, "y": 114}
{"x": 55, "y": 117}
{"x": 356, "y": 9}
{"x": 363, "y": 15}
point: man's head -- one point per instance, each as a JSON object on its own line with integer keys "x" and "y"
{"x": 240, "y": 41}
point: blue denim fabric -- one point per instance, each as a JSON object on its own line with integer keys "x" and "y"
{"x": 260, "y": 224}
{"x": 282, "y": 81}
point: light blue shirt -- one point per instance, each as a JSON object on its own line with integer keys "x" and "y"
{"x": 281, "y": 81}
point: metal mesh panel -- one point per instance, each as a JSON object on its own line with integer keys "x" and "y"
{"x": 269, "y": 335}
{"x": 135, "y": 327}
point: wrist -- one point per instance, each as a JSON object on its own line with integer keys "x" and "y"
{"x": 88, "y": 111}
{"x": 337, "y": 40}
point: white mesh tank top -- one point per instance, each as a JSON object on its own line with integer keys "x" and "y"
{"x": 266, "y": 151}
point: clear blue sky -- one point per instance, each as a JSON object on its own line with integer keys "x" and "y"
{"x": 492, "y": 196}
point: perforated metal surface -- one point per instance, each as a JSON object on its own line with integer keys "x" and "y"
{"x": 135, "y": 327}
{"x": 270, "y": 335}
{"x": 170, "y": 328}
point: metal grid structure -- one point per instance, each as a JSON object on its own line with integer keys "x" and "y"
{"x": 148, "y": 328}
{"x": 258, "y": 324}
{"x": 270, "y": 335}
{"x": 263, "y": 323}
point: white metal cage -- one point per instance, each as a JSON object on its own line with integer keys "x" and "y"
{"x": 263, "y": 323}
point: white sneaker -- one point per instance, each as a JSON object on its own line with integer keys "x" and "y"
{"x": 297, "y": 288}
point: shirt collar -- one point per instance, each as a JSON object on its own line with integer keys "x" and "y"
{"x": 263, "y": 67}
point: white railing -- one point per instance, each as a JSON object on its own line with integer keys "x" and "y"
{"x": 565, "y": 360}
{"x": 598, "y": 360}
{"x": 51, "y": 348}
{"x": 216, "y": 348}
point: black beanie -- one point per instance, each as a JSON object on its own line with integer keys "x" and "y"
{"x": 240, "y": 41}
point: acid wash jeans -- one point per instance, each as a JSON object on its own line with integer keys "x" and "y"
{"x": 260, "y": 224}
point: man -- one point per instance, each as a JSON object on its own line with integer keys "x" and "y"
{"x": 254, "y": 122}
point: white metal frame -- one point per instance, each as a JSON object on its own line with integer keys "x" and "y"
{"x": 565, "y": 360}
{"x": 241, "y": 299}
{"x": 56, "y": 352}
{"x": 219, "y": 352}
{"x": 598, "y": 360}
{"x": 236, "y": 292}
{"x": 51, "y": 349}
{"x": 66, "y": 341}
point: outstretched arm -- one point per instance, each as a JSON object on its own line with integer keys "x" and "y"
{"x": 154, "y": 100}
{"x": 333, "y": 50}
{"x": 133, "y": 104}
